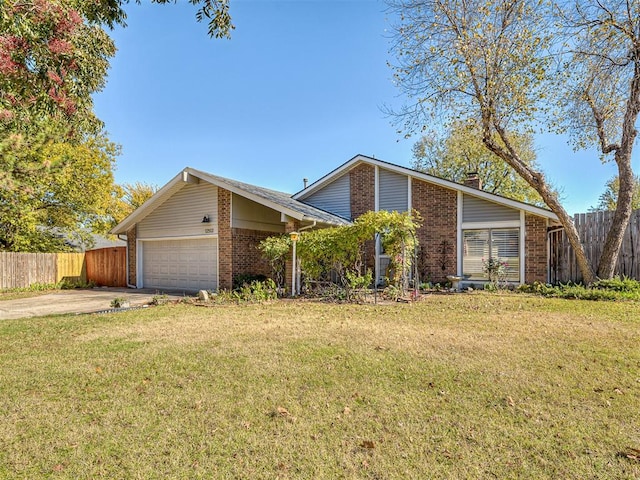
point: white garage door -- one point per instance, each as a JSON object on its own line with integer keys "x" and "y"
{"x": 180, "y": 264}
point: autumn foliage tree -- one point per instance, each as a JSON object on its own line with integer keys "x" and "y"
{"x": 56, "y": 162}
{"x": 510, "y": 64}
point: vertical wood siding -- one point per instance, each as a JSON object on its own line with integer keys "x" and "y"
{"x": 477, "y": 210}
{"x": 181, "y": 215}
{"x": 334, "y": 198}
{"x": 393, "y": 191}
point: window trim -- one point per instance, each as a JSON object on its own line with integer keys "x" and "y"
{"x": 488, "y": 229}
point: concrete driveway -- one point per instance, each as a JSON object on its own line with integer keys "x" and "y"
{"x": 76, "y": 301}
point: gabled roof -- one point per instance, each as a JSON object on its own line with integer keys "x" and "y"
{"x": 491, "y": 197}
{"x": 279, "y": 201}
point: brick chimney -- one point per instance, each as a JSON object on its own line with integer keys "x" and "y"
{"x": 473, "y": 180}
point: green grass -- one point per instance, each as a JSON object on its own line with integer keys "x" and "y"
{"x": 455, "y": 387}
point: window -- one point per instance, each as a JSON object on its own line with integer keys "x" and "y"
{"x": 480, "y": 245}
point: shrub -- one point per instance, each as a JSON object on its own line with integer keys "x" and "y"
{"x": 243, "y": 279}
{"x": 339, "y": 253}
{"x": 391, "y": 292}
{"x": 254, "y": 292}
{"x": 613, "y": 289}
{"x": 162, "y": 299}
{"x": 119, "y": 302}
{"x": 357, "y": 285}
{"x": 496, "y": 271}
{"x": 73, "y": 284}
{"x": 617, "y": 284}
{"x": 275, "y": 250}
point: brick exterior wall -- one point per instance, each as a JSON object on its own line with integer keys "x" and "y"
{"x": 363, "y": 187}
{"x": 247, "y": 259}
{"x": 535, "y": 244}
{"x": 132, "y": 265}
{"x": 362, "y": 192}
{"x": 438, "y": 207}
{"x": 225, "y": 241}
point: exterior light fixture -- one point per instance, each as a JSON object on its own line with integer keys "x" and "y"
{"x": 205, "y": 219}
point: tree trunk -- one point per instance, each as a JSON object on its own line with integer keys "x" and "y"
{"x": 538, "y": 182}
{"x": 570, "y": 230}
{"x": 611, "y": 249}
{"x": 613, "y": 243}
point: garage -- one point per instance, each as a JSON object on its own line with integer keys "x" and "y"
{"x": 185, "y": 264}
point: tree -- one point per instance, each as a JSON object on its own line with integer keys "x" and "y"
{"x": 461, "y": 151}
{"x": 609, "y": 199}
{"x": 50, "y": 187}
{"x": 492, "y": 61}
{"x": 56, "y": 170}
{"x": 129, "y": 197}
{"x": 56, "y": 162}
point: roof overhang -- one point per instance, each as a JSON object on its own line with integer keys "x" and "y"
{"x": 175, "y": 184}
{"x": 243, "y": 193}
{"x": 192, "y": 176}
{"x": 358, "y": 159}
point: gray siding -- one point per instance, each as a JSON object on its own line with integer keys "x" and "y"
{"x": 334, "y": 198}
{"x": 477, "y": 210}
{"x": 181, "y": 214}
{"x": 393, "y": 191}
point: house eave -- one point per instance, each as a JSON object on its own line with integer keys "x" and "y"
{"x": 192, "y": 176}
{"x": 345, "y": 167}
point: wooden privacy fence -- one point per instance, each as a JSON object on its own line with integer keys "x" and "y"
{"x": 71, "y": 267}
{"x": 593, "y": 228}
{"x": 105, "y": 266}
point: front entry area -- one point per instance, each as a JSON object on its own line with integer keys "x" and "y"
{"x": 184, "y": 264}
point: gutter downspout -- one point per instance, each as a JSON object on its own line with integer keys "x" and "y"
{"x": 315, "y": 222}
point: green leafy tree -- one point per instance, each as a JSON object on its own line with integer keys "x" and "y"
{"x": 56, "y": 163}
{"x": 490, "y": 60}
{"x": 461, "y": 151}
{"x": 53, "y": 188}
{"x": 609, "y": 199}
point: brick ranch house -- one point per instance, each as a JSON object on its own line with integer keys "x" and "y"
{"x": 200, "y": 231}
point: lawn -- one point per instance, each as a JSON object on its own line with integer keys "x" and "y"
{"x": 456, "y": 386}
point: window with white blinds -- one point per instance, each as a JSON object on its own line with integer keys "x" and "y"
{"x": 479, "y": 245}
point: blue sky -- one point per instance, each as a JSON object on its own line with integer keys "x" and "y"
{"x": 296, "y": 92}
